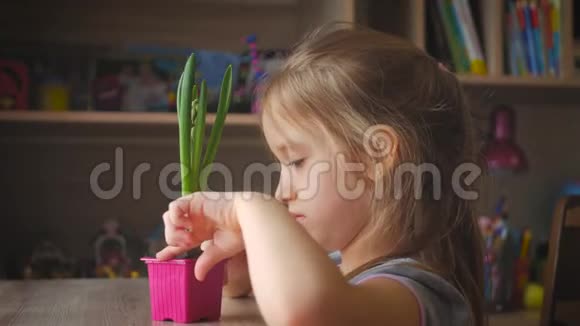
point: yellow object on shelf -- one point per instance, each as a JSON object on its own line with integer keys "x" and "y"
{"x": 478, "y": 67}
{"x": 533, "y": 296}
{"x": 54, "y": 96}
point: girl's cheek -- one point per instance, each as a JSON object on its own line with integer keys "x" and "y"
{"x": 313, "y": 179}
{"x": 303, "y": 184}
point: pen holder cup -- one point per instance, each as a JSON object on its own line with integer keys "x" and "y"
{"x": 178, "y": 296}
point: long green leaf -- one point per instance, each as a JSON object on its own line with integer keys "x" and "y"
{"x": 222, "y": 110}
{"x": 179, "y": 93}
{"x": 194, "y": 105}
{"x": 184, "y": 117}
{"x": 199, "y": 131}
{"x": 192, "y": 177}
{"x": 194, "y": 99}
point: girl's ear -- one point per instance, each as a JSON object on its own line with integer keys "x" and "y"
{"x": 381, "y": 145}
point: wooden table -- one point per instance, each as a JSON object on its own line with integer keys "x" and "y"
{"x": 126, "y": 302}
{"x": 97, "y": 302}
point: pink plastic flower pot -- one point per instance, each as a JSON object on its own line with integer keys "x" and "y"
{"x": 178, "y": 296}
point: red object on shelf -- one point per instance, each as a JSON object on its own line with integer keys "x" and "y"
{"x": 502, "y": 153}
{"x": 177, "y": 295}
{"x": 108, "y": 93}
{"x": 14, "y": 85}
{"x": 522, "y": 269}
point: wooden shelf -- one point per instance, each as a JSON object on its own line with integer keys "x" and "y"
{"x": 92, "y": 117}
{"x": 205, "y": 24}
{"x": 521, "y": 82}
{"x": 407, "y": 18}
{"x": 251, "y": 2}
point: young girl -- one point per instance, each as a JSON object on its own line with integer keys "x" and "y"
{"x": 352, "y": 114}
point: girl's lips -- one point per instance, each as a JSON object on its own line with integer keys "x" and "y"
{"x": 298, "y": 216}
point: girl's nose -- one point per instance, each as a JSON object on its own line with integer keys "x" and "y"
{"x": 277, "y": 193}
{"x": 284, "y": 191}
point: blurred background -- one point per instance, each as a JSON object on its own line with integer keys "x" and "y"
{"x": 88, "y": 85}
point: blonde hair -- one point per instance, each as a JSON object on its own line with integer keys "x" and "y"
{"x": 346, "y": 80}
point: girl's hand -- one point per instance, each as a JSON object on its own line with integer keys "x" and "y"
{"x": 208, "y": 218}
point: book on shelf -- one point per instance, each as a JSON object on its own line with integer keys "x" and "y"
{"x": 532, "y": 37}
{"x": 460, "y": 48}
{"x": 469, "y": 35}
{"x": 437, "y": 44}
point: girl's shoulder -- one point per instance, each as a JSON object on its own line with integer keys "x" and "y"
{"x": 440, "y": 302}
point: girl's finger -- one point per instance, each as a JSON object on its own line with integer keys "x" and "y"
{"x": 179, "y": 221}
{"x": 179, "y": 238}
{"x": 175, "y": 236}
{"x": 178, "y": 213}
{"x": 170, "y": 252}
{"x": 208, "y": 259}
{"x": 169, "y": 225}
{"x": 225, "y": 244}
{"x": 206, "y": 244}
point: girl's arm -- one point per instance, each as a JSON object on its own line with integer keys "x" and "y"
{"x": 237, "y": 277}
{"x": 295, "y": 283}
{"x": 292, "y": 278}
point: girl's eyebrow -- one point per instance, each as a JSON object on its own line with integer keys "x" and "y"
{"x": 284, "y": 147}
{"x": 283, "y": 150}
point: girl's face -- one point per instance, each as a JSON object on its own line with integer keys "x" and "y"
{"x": 327, "y": 200}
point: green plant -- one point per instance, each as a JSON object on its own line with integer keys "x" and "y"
{"x": 191, "y": 112}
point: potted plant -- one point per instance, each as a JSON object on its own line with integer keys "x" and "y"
{"x": 175, "y": 292}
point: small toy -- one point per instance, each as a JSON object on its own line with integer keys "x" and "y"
{"x": 175, "y": 292}
{"x": 255, "y": 66}
{"x": 54, "y": 94}
{"x": 47, "y": 262}
{"x": 111, "y": 257}
{"x": 144, "y": 90}
{"x": 108, "y": 93}
{"x": 14, "y": 85}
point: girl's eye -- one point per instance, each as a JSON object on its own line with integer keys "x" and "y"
{"x": 296, "y": 163}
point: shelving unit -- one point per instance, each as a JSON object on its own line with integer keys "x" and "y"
{"x": 147, "y": 118}
{"x": 407, "y": 18}
{"x": 202, "y": 24}
{"x": 278, "y": 23}
{"x": 205, "y": 24}
{"x": 509, "y": 81}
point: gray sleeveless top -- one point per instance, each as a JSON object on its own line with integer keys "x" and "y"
{"x": 440, "y": 303}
